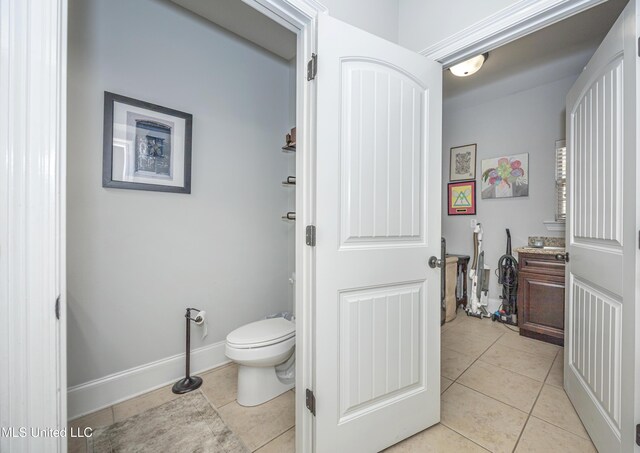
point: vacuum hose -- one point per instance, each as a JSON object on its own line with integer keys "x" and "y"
{"x": 508, "y": 278}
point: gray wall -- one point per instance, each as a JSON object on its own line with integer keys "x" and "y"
{"x": 423, "y": 23}
{"x": 379, "y": 17}
{"x": 137, "y": 259}
{"x": 527, "y": 122}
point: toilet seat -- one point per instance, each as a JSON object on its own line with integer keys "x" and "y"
{"x": 258, "y": 349}
{"x": 261, "y": 333}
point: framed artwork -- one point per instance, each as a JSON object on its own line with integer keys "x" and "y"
{"x": 505, "y": 177}
{"x": 461, "y": 198}
{"x": 146, "y": 146}
{"x": 462, "y": 165}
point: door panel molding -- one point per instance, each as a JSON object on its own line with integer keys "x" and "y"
{"x": 382, "y": 199}
{"x": 595, "y": 347}
{"x": 381, "y": 328}
{"x": 597, "y": 128}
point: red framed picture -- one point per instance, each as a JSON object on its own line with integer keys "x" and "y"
{"x": 461, "y": 199}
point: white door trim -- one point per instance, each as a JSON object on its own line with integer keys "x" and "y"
{"x": 33, "y": 51}
{"x": 508, "y": 24}
{"x": 300, "y": 17}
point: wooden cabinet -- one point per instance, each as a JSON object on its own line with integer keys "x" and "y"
{"x": 541, "y": 297}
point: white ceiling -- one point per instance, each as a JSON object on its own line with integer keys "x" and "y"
{"x": 555, "y": 52}
{"x": 243, "y": 20}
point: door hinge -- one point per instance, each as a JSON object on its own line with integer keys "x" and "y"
{"x": 57, "y": 309}
{"x": 311, "y": 235}
{"x": 637, "y": 434}
{"x": 312, "y": 67}
{"x": 311, "y": 402}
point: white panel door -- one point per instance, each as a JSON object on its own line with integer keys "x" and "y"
{"x": 377, "y": 307}
{"x": 600, "y": 354}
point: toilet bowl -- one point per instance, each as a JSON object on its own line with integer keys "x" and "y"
{"x": 259, "y": 348}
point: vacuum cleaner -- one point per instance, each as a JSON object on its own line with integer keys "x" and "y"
{"x": 508, "y": 278}
{"x": 479, "y": 275}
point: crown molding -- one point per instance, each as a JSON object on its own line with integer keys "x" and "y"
{"x": 508, "y": 24}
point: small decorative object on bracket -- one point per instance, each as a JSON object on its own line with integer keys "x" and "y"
{"x": 291, "y": 137}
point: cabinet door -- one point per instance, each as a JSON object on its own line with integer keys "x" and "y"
{"x": 541, "y": 306}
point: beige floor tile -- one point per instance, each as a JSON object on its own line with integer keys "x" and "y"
{"x": 553, "y": 406}
{"x": 76, "y": 445}
{"x": 541, "y": 437}
{"x": 489, "y": 423}
{"x": 482, "y": 327}
{"x": 103, "y": 417}
{"x": 437, "y": 439}
{"x": 511, "y": 388}
{"x": 457, "y": 320}
{"x": 141, "y": 403}
{"x": 444, "y": 383}
{"x": 94, "y": 420}
{"x": 534, "y": 366}
{"x": 258, "y": 425}
{"x": 524, "y": 344}
{"x": 220, "y": 386}
{"x": 285, "y": 443}
{"x": 453, "y": 363}
{"x": 556, "y": 375}
{"x": 466, "y": 342}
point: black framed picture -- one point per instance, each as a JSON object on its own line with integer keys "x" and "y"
{"x": 146, "y": 146}
{"x": 462, "y": 163}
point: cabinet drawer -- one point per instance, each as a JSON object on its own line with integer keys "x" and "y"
{"x": 541, "y": 264}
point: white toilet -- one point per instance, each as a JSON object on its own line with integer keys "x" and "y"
{"x": 263, "y": 351}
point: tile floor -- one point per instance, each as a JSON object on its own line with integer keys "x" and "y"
{"x": 500, "y": 393}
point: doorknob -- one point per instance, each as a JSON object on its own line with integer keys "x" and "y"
{"x": 563, "y": 257}
{"x": 435, "y": 262}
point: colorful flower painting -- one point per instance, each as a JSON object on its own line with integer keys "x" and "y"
{"x": 505, "y": 177}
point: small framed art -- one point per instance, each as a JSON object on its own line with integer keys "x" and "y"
{"x": 146, "y": 146}
{"x": 462, "y": 164}
{"x": 461, "y": 198}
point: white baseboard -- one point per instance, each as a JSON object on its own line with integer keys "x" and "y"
{"x": 94, "y": 395}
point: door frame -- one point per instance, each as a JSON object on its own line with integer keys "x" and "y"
{"x": 299, "y": 16}
{"x": 33, "y": 52}
{"x": 32, "y": 235}
{"x": 513, "y": 22}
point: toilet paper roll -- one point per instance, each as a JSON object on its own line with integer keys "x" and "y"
{"x": 201, "y": 320}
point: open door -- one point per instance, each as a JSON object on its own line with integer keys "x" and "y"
{"x": 601, "y": 299}
{"x": 377, "y": 305}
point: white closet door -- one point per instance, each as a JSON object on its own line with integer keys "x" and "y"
{"x": 377, "y": 305}
{"x": 601, "y": 296}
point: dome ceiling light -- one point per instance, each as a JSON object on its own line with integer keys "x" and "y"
{"x": 470, "y": 66}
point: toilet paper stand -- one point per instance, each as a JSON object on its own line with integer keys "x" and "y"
{"x": 189, "y": 383}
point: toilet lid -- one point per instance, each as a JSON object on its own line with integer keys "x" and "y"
{"x": 262, "y": 333}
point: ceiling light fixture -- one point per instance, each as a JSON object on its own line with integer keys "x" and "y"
{"x": 470, "y": 66}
